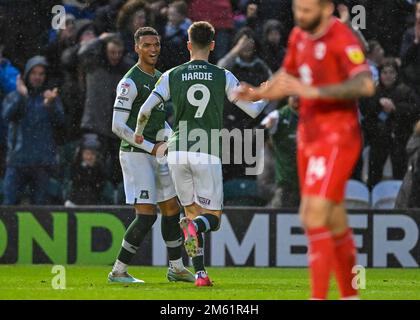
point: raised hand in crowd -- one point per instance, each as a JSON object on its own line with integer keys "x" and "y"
{"x": 50, "y": 95}
{"x": 387, "y": 104}
{"x": 21, "y": 87}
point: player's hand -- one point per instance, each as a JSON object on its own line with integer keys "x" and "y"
{"x": 292, "y": 86}
{"x": 138, "y": 139}
{"x": 160, "y": 149}
{"x": 21, "y": 88}
{"x": 246, "y": 92}
{"x": 49, "y": 96}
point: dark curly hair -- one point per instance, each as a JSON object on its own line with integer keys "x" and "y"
{"x": 128, "y": 9}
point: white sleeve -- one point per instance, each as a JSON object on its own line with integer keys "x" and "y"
{"x": 274, "y": 117}
{"x": 162, "y": 87}
{"x": 126, "y": 94}
{"x": 124, "y": 132}
{"x": 253, "y": 109}
{"x": 159, "y": 95}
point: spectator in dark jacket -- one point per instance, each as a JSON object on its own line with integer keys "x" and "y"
{"x": 103, "y": 61}
{"x": 87, "y": 176}
{"x": 33, "y": 114}
{"x": 410, "y": 54}
{"x": 389, "y": 115}
{"x": 409, "y": 195}
{"x": 243, "y": 61}
{"x": 175, "y": 37}
{"x": 73, "y": 89}
{"x": 65, "y": 39}
{"x": 273, "y": 51}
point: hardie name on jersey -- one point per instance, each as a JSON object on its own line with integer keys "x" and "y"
{"x": 197, "y": 76}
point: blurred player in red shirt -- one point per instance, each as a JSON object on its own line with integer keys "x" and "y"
{"x": 325, "y": 66}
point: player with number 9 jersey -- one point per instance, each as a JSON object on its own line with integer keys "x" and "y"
{"x": 197, "y": 89}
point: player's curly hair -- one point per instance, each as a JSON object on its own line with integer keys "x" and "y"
{"x": 144, "y": 31}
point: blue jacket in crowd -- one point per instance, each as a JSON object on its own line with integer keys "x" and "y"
{"x": 31, "y": 126}
{"x": 8, "y": 75}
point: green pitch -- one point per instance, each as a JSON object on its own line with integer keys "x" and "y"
{"x": 88, "y": 282}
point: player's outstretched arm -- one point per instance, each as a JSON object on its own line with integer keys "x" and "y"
{"x": 124, "y": 132}
{"x": 253, "y": 109}
{"x": 270, "y": 90}
{"x": 361, "y": 85}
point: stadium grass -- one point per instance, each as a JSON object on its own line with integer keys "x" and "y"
{"x": 90, "y": 282}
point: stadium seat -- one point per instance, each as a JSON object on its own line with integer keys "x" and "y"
{"x": 241, "y": 192}
{"x": 357, "y": 195}
{"x": 385, "y": 193}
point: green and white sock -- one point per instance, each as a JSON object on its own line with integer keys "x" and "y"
{"x": 206, "y": 222}
{"x": 134, "y": 236}
{"x": 172, "y": 235}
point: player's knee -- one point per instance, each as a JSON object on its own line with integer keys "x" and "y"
{"x": 170, "y": 207}
{"x": 146, "y": 209}
{"x": 313, "y": 214}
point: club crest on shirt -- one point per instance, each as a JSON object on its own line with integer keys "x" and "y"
{"x": 355, "y": 54}
{"x": 320, "y": 50}
{"x": 144, "y": 194}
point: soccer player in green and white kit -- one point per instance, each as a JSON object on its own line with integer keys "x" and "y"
{"x": 146, "y": 182}
{"x": 197, "y": 89}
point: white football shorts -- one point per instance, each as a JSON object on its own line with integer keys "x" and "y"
{"x": 145, "y": 180}
{"x": 197, "y": 178}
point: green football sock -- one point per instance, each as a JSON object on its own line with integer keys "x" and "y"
{"x": 171, "y": 234}
{"x": 134, "y": 236}
{"x": 206, "y": 222}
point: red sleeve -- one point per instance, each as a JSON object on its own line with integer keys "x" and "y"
{"x": 351, "y": 57}
{"x": 289, "y": 62}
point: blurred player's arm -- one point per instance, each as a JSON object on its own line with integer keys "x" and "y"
{"x": 159, "y": 95}
{"x": 359, "y": 86}
{"x": 270, "y": 90}
{"x": 253, "y": 109}
{"x": 126, "y": 93}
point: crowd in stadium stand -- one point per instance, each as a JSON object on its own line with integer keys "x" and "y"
{"x": 57, "y": 90}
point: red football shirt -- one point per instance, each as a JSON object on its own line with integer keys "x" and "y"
{"x": 328, "y": 59}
